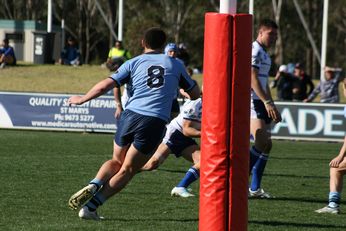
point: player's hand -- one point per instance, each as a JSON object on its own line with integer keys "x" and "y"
{"x": 334, "y": 163}
{"x": 118, "y": 111}
{"x": 75, "y": 100}
{"x": 273, "y": 112}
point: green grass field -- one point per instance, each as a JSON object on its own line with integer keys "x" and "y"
{"x": 40, "y": 170}
{"x": 54, "y": 78}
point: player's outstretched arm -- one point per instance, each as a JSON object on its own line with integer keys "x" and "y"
{"x": 191, "y": 128}
{"x": 99, "y": 89}
{"x": 158, "y": 158}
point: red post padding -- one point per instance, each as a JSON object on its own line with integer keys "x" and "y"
{"x": 213, "y": 205}
{"x": 225, "y": 114}
{"x": 240, "y": 122}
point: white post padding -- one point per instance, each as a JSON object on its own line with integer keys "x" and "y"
{"x": 228, "y": 6}
{"x": 324, "y": 38}
{"x": 49, "y": 16}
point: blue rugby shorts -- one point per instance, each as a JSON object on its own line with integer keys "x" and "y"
{"x": 177, "y": 142}
{"x": 144, "y": 132}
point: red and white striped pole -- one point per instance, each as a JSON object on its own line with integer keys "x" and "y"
{"x": 225, "y": 120}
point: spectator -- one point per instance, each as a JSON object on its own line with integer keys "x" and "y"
{"x": 183, "y": 54}
{"x": 117, "y": 56}
{"x": 284, "y": 83}
{"x": 70, "y": 55}
{"x": 302, "y": 83}
{"x": 7, "y": 56}
{"x": 328, "y": 88}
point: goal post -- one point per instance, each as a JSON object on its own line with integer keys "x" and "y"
{"x": 225, "y": 122}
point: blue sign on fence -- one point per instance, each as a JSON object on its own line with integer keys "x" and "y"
{"x": 51, "y": 111}
{"x": 300, "y": 121}
{"x": 310, "y": 121}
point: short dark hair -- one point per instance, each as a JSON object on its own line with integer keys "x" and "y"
{"x": 6, "y": 40}
{"x": 154, "y": 38}
{"x": 268, "y": 23}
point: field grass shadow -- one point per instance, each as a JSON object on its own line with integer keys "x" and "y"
{"x": 296, "y": 176}
{"x": 301, "y": 226}
{"x": 151, "y": 219}
{"x": 171, "y": 170}
{"x": 299, "y": 199}
{"x": 299, "y": 158}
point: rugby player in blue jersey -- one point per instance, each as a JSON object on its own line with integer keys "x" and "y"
{"x": 152, "y": 79}
{"x": 263, "y": 110}
{"x": 179, "y": 141}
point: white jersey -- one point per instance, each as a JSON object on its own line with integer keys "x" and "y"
{"x": 191, "y": 110}
{"x": 261, "y": 61}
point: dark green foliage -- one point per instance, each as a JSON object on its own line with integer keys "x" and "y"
{"x": 184, "y": 22}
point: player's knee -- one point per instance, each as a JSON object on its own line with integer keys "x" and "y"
{"x": 338, "y": 170}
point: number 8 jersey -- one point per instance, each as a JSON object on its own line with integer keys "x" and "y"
{"x": 152, "y": 81}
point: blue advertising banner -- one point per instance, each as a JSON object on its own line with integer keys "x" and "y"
{"x": 300, "y": 121}
{"x": 310, "y": 121}
{"x": 51, "y": 111}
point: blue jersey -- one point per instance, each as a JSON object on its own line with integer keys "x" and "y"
{"x": 152, "y": 81}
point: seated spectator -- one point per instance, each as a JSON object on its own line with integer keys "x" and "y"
{"x": 328, "y": 88}
{"x": 70, "y": 55}
{"x": 7, "y": 56}
{"x": 117, "y": 55}
{"x": 304, "y": 85}
{"x": 284, "y": 83}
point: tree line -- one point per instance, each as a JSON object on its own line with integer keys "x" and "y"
{"x": 93, "y": 23}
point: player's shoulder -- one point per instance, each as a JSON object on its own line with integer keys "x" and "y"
{"x": 192, "y": 110}
{"x": 192, "y": 105}
{"x": 257, "y": 48}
